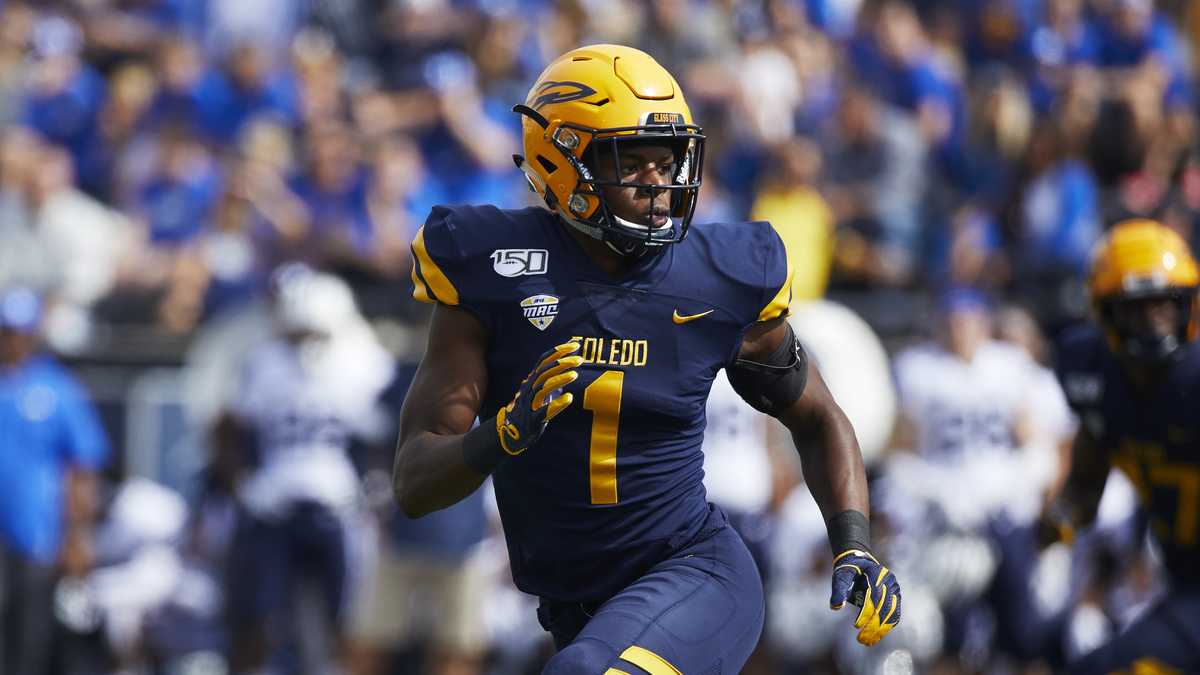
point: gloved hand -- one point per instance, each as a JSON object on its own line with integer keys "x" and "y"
{"x": 539, "y": 399}
{"x": 861, "y": 579}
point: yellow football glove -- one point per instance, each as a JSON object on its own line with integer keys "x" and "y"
{"x": 859, "y": 578}
{"x": 539, "y": 399}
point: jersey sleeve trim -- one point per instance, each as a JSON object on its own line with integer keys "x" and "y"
{"x": 648, "y": 661}
{"x": 437, "y": 286}
{"x": 783, "y": 298}
{"x": 420, "y": 290}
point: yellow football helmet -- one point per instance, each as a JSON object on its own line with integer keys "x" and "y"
{"x": 584, "y": 106}
{"x": 1142, "y": 259}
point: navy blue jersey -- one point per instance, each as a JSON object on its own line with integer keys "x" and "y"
{"x": 1153, "y": 436}
{"x": 614, "y": 485}
{"x": 1165, "y": 640}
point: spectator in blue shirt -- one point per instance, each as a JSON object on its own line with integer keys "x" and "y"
{"x": 218, "y": 102}
{"x": 1060, "y": 217}
{"x": 333, "y": 187}
{"x": 110, "y": 162}
{"x": 898, "y": 62}
{"x": 1134, "y": 31}
{"x": 471, "y": 140}
{"x": 51, "y": 443}
{"x": 251, "y": 86}
{"x": 996, "y": 30}
{"x": 1058, "y": 220}
{"x": 178, "y": 200}
{"x": 1065, "y": 39}
{"x": 1136, "y": 35}
{"x": 65, "y": 93}
{"x": 183, "y": 74}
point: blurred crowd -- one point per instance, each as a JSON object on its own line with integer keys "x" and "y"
{"x": 240, "y": 180}
{"x": 160, "y": 157}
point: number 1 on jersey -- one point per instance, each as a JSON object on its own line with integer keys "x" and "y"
{"x": 603, "y": 398}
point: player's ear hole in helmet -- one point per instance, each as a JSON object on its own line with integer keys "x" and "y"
{"x": 588, "y": 109}
{"x": 1144, "y": 285}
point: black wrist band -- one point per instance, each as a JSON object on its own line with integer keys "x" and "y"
{"x": 847, "y": 530}
{"x": 481, "y": 448}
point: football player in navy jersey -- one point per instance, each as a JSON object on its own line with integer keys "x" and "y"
{"x": 611, "y": 296}
{"x": 1134, "y": 379}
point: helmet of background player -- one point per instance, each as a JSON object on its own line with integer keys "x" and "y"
{"x": 966, "y": 320}
{"x": 310, "y": 304}
{"x": 20, "y": 320}
{"x": 1143, "y": 286}
{"x": 587, "y": 106}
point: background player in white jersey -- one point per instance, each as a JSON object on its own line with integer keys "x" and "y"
{"x": 303, "y": 395}
{"x": 985, "y": 421}
{"x": 972, "y": 404}
{"x": 964, "y": 393}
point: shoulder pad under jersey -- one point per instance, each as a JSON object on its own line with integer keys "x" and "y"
{"x": 751, "y": 256}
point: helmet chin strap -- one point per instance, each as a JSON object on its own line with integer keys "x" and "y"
{"x": 637, "y": 251}
{"x": 590, "y": 230}
{"x": 1157, "y": 350}
{"x": 595, "y": 232}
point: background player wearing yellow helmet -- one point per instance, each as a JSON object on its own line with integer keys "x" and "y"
{"x": 1135, "y": 383}
{"x": 633, "y": 310}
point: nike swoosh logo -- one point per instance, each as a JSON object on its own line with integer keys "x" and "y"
{"x": 679, "y": 318}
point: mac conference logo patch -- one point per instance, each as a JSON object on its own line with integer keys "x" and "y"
{"x": 540, "y": 310}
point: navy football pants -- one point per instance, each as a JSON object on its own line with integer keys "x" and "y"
{"x": 269, "y": 558}
{"x": 1165, "y": 640}
{"x": 698, "y": 612}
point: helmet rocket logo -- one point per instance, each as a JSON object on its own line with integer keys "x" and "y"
{"x": 560, "y": 92}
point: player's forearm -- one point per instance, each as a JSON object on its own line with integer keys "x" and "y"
{"x": 1079, "y": 500}
{"x": 831, "y": 460}
{"x": 430, "y": 473}
{"x": 82, "y": 497}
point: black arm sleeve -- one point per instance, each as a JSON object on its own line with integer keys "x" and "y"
{"x": 772, "y": 386}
